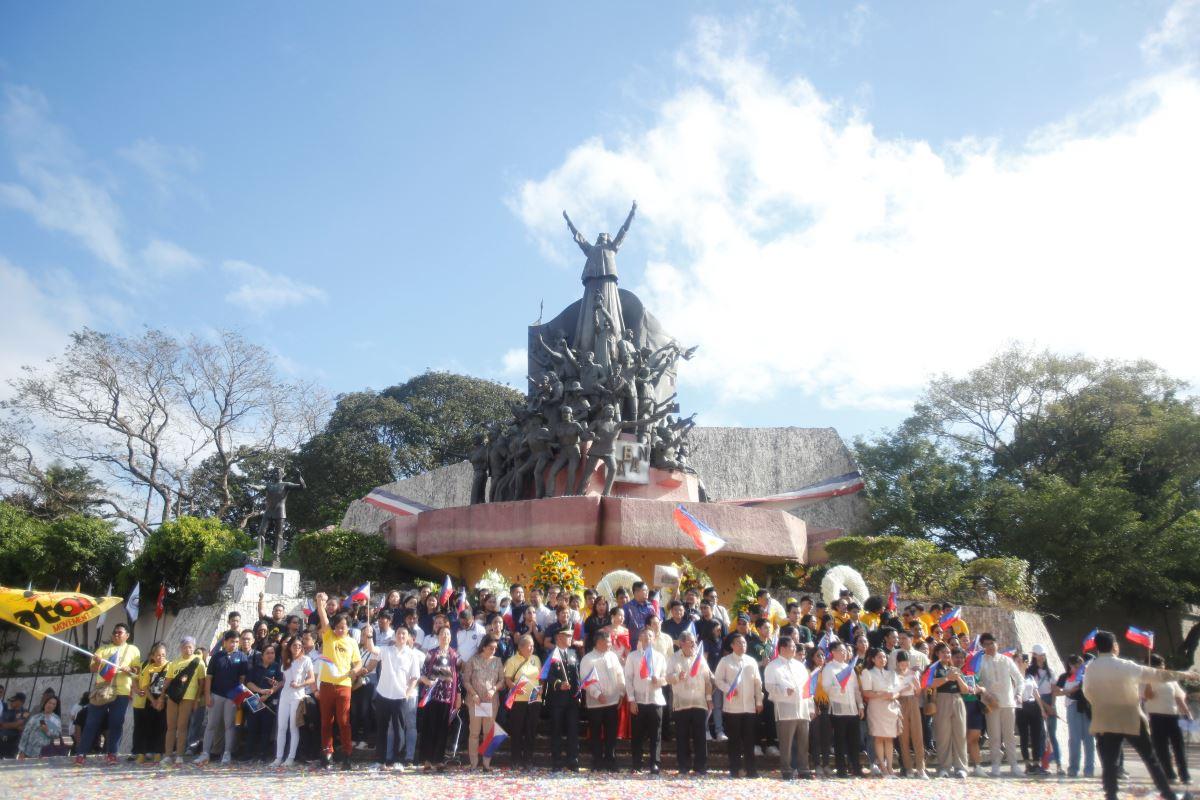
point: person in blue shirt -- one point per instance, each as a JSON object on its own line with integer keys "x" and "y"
{"x": 226, "y": 669}
{"x": 637, "y": 610}
{"x": 264, "y": 678}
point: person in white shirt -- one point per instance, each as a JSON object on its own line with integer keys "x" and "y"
{"x": 645, "y": 675}
{"x": 468, "y": 636}
{"x": 737, "y": 674}
{"x": 544, "y": 615}
{"x": 602, "y": 698}
{"x": 430, "y": 642}
{"x": 912, "y": 738}
{"x": 881, "y": 691}
{"x": 720, "y": 613}
{"x": 845, "y": 708}
{"x": 1166, "y": 703}
{"x": 1000, "y": 678}
{"x": 691, "y": 701}
{"x": 298, "y": 675}
{"x": 785, "y": 680}
{"x": 396, "y": 697}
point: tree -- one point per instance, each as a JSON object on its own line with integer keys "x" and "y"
{"x": 62, "y": 552}
{"x": 1089, "y": 471}
{"x": 340, "y": 559}
{"x": 376, "y": 438}
{"x": 140, "y": 413}
{"x": 59, "y": 491}
{"x": 176, "y": 553}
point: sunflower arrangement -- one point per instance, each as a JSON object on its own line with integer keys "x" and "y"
{"x": 691, "y": 576}
{"x": 555, "y": 566}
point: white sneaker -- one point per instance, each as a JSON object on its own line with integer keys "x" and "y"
{"x": 398, "y": 766}
{"x": 708, "y": 737}
{"x": 944, "y": 773}
{"x": 921, "y": 775}
{"x": 226, "y": 759}
{"x": 961, "y": 774}
{"x": 201, "y": 760}
{"x": 1017, "y": 770}
{"x": 374, "y": 767}
{"x": 875, "y": 771}
{"x": 995, "y": 773}
{"x": 276, "y": 764}
{"x": 978, "y": 771}
{"x": 722, "y": 737}
{"x": 291, "y": 762}
{"x": 757, "y": 750}
{"x": 772, "y": 750}
{"x": 360, "y": 746}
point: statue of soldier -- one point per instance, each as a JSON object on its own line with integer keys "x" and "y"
{"x": 480, "y": 459}
{"x": 567, "y": 433}
{"x": 539, "y": 441}
{"x": 275, "y": 511}
{"x": 603, "y": 435}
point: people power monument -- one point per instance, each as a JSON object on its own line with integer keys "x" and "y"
{"x": 601, "y": 395}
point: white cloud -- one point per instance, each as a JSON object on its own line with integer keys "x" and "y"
{"x": 167, "y": 167}
{"x": 260, "y": 291}
{"x": 515, "y": 363}
{"x": 54, "y": 188}
{"x": 1177, "y": 35}
{"x": 804, "y": 251}
{"x": 39, "y": 317}
{"x": 167, "y": 258}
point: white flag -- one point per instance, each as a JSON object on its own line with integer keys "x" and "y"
{"x": 104, "y": 616}
{"x": 131, "y": 605}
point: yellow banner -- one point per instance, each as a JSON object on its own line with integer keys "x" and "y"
{"x": 43, "y": 613}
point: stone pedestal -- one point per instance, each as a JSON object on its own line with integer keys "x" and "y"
{"x": 245, "y": 587}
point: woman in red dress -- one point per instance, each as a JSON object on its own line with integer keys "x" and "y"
{"x": 619, "y": 637}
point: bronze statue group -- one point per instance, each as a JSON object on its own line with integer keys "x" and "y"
{"x": 528, "y": 681}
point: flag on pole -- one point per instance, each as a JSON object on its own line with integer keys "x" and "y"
{"x": 1089, "y": 642}
{"x": 491, "y": 743}
{"x": 950, "y": 617}
{"x": 545, "y": 673}
{"x": 396, "y": 504}
{"x": 1139, "y": 636}
{"x": 810, "y": 685}
{"x": 462, "y": 600}
{"x": 893, "y": 597}
{"x": 135, "y": 599}
{"x": 843, "y": 677}
{"x": 927, "y": 681}
{"x": 695, "y": 670}
{"x": 974, "y": 661}
{"x": 310, "y": 607}
{"x": 1047, "y": 755}
{"x": 823, "y": 644}
{"x": 647, "y": 667}
{"x": 1010, "y": 652}
{"x": 257, "y": 571}
{"x": 705, "y": 539}
{"x": 427, "y": 696}
{"x": 360, "y": 595}
{"x": 43, "y": 613}
{"x": 839, "y": 485}
{"x": 242, "y": 696}
{"x": 516, "y": 690}
{"x": 159, "y": 608}
{"x": 591, "y": 679}
{"x": 508, "y": 619}
{"x": 107, "y": 671}
{"x": 447, "y": 591}
{"x": 100, "y": 620}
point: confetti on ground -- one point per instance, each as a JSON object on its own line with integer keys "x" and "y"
{"x": 57, "y": 779}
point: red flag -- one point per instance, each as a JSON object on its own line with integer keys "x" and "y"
{"x": 158, "y": 604}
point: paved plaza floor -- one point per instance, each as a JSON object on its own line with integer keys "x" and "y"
{"x": 57, "y": 778}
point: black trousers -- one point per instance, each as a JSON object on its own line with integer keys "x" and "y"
{"x": 602, "y": 727}
{"x": 740, "y": 728}
{"x": 1166, "y": 736}
{"x": 434, "y": 730}
{"x": 647, "y": 734}
{"x": 310, "y": 731}
{"x": 1031, "y": 729}
{"x": 150, "y": 730}
{"x": 766, "y": 724}
{"x": 666, "y": 714}
{"x": 846, "y": 742}
{"x": 1108, "y": 745}
{"x": 820, "y": 739}
{"x": 523, "y": 721}
{"x": 564, "y": 730}
{"x": 387, "y": 717}
{"x": 690, "y": 746}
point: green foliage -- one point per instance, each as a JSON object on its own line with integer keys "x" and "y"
{"x": 341, "y": 559}
{"x": 1009, "y": 576}
{"x": 62, "y": 552}
{"x": 376, "y": 438}
{"x": 183, "y": 554}
{"x": 1088, "y": 471}
{"x": 58, "y": 492}
{"x": 691, "y": 576}
{"x": 744, "y": 597}
{"x": 794, "y": 575}
{"x": 917, "y": 565}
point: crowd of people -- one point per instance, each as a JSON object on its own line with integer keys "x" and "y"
{"x": 426, "y": 681}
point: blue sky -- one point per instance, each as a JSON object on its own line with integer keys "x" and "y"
{"x": 836, "y": 200}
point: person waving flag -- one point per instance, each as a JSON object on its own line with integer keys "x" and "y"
{"x": 893, "y": 597}
{"x": 695, "y": 670}
{"x": 733, "y": 687}
{"x": 1139, "y": 636}
{"x": 705, "y": 539}
{"x": 950, "y": 617}
{"x": 447, "y": 591}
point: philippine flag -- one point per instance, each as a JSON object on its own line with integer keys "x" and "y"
{"x": 927, "y": 681}
{"x": 360, "y": 595}
{"x": 310, "y": 607}
{"x": 950, "y": 617}
{"x": 1139, "y": 636}
{"x": 257, "y": 571}
{"x": 810, "y": 685}
{"x": 1010, "y": 652}
{"x": 491, "y": 743}
{"x": 893, "y": 597}
{"x": 107, "y": 671}
{"x": 159, "y": 608}
{"x": 516, "y": 690}
{"x": 577, "y": 634}
{"x": 1047, "y": 755}
{"x": 239, "y": 694}
{"x": 396, "y": 504}
{"x": 974, "y": 660}
{"x": 843, "y": 677}
{"x": 647, "y": 667}
{"x": 508, "y": 620}
{"x": 447, "y": 591}
{"x": 545, "y": 674}
{"x": 823, "y": 645}
{"x": 703, "y": 536}
{"x": 695, "y": 670}
{"x": 590, "y": 679}
{"x": 462, "y": 600}
{"x": 733, "y": 687}
{"x": 425, "y": 698}
{"x": 1089, "y": 643}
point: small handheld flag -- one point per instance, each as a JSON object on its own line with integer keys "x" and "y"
{"x": 647, "y": 666}
{"x": 447, "y": 591}
{"x": 107, "y": 671}
{"x": 893, "y": 596}
{"x": 491, "y": 743}
{"x": 158, "y": 604}
{"x": 1139, "y": 636}
{"x": 733, "y": 687}
{"x": 310, "y": 607}
{"x": 577, "y": 634}
{"x": 517, "y": 688}
{"x": 950, "y": 617}
{"x": 242, "y": 696}
{"x": 695, "y": 670}
{"x": 462, "y": 600}
{"x": 427, "y": 696}
{"x": 927, "y": 681}
{"x": 590, "y": 679}
{"x": 810, "y": 685}
{"x": 508, "y": 619}
{"x": 1089, "y": 643}
{"x": 257, "y": 571}
{"x": 1010, "y": 652}
{"x": 844, "y": 676}
{"x": 545, "y": 673}
{"x": 1047, "y": 755}
{"x": 705, "y": 539}
{"x": 973, "y": 663}
{"x": 823, "y": 645}
{"x": 360, "y": 595}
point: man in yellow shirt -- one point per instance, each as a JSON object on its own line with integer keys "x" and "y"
{"x": 115, "y": 664}
{"x": 340, "y": 664}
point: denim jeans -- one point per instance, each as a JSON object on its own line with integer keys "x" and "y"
{"x": 718, "y": 717}
{"x": 112, "y": 718}
{"x": 1079, "y": 735}
{"x": 1052, "y": 731}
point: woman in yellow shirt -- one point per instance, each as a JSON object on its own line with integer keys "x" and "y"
{"x": 523, "y": 668}
{"x": 149, "y": 706}
{"x": 185, "y": 676}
